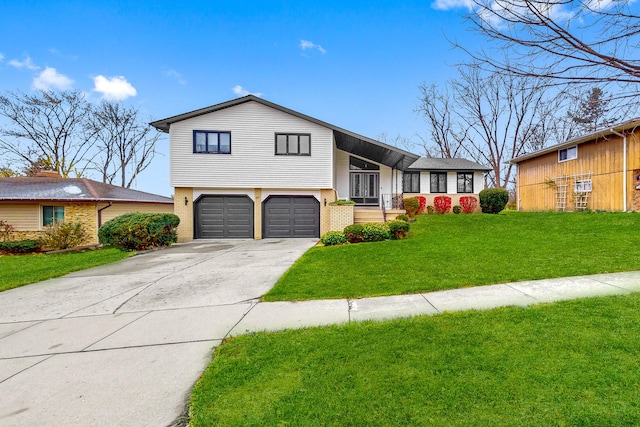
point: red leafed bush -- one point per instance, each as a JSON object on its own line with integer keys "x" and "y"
{"x": 423, "y": 204}
{"x": 468, "y": 204}
{"x": 442, "y": 204}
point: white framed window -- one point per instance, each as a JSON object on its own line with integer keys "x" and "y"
{"x": 52, "y": 214}
{"x": 568, "y": 153}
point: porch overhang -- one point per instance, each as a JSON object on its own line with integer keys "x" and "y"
{"x": 373, "y": 150}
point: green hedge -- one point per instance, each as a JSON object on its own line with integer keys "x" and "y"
{"x": 21, "y": 246}
{"x": 493, "y": 200}
{"x": 139, "y": 231}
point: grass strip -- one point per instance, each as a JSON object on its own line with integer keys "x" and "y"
{"x": 571, "y": 363}
{"x": 19, "y": 270}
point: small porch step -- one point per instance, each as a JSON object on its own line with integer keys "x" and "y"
{"x": 367, "y": 214}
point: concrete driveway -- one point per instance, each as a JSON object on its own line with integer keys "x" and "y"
{"x": 122, "y": 345}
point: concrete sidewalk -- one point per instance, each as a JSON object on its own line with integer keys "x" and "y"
{"x": 275, "y": 316}
{"x": 105, "y": 362}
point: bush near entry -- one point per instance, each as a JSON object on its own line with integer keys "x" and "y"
{"x": 139, "y": 231}
{"x": 493, "y": 200}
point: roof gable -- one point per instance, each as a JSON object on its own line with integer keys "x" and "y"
{"x": 345, "y": 140}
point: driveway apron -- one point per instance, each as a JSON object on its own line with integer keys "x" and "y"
{"x": 123, "y": 344}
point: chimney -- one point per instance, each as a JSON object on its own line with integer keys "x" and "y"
{"x": 48, "y": 174}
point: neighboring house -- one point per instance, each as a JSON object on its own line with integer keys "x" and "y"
{"x": 30, "y": 204}
{"x": 599, "y": 171}
{"x": 249, "y": 168}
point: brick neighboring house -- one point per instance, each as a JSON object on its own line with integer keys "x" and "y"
{"x": 29, "y": 204}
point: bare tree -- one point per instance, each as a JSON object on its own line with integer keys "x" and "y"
{"x": 125, "y": 142}
{"x": 593, "y": 111}
{"x": 563, "y": 41}
{"x": 46, "y": 126}
{"x": 491, "y": 118}
{"x": 436, "y": 107}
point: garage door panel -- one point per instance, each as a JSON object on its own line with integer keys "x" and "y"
{"x": 220, "y": 217}
{"x": 291, "y": 216}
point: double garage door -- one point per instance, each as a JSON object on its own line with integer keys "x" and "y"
{"x": 222, "y": 217}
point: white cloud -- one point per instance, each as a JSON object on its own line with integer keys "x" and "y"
{"x": 176, "y": 75}
{"x": 240, "y": 91}
{"x": 306, "y": 44}
{"x": 115, "y": 88}
{"x": 49, "y": 78}
{"x": 26, "y": 63}
{"x": 1, "y": 57}
{"x": 452, "y": 4}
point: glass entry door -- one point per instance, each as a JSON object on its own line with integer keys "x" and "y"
{"x": 365, "y": 187}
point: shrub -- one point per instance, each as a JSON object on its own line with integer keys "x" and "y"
{"x": 354, "y": 233}
{"x": 411, "y": 205}
{"x": 398, "y": 228}
{"x": 63, "y": 235}
{"x": 468, "y": 204}
{"x": 442, "y": 204}
{"x": 375, "y": 232}
{"x": 5, "y": 230}
{"x": 430, "y": 209}
{"x": 331, "y": 238}
{"x": 402, "y": 217}
{"x": 21, "y": 246}
{"x": 139, "y": 231}
{"x": 342, "y": 202}
{"x": 493, "y": 200}
{"x": 423, "y": 204}
{"x": 457, "y": 209}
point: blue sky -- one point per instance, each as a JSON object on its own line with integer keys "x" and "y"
{"x": 355, "y": 64}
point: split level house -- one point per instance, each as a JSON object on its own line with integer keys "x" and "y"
{"x": 598, "y": 171}
{"x": 30, "y": 204}
{"x": 249, "y": 168}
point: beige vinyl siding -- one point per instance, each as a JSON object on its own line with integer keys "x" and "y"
{"x": 118, "y": 209}
{"x": 23, "y": 217}
{"x": 252, "y": 162}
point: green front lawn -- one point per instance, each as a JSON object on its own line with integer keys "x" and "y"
{"x": 18, "y": 270}
{"x": 571, "y": 363}
{"x": 453, "y": 251}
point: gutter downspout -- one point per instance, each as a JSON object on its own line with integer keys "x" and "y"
{"x": 624, "y": 168}
{"x": 100, "y": 214}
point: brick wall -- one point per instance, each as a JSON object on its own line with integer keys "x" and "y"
{"x": 87, "y": 215}
{"x": 328, "y": 195}
{"x": 185, "y": 212}
{"x": 341, "y": 216}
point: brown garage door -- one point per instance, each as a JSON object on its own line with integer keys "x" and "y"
{"x": 223, "y": 217}
{"x": 291, "y": 216}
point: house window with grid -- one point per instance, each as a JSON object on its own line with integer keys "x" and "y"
{"x": 211, "y": 142}
{"x": 52, "y": 214}
{"x": 411, "y": 182}
{"x": 438, "y": 182}
{"x": 293, "y": 144}
{"x": 465, "y": 182}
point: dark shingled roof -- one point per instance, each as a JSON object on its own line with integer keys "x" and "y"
{"x": 71, "y": 190}
{"x": 432, "y": 164}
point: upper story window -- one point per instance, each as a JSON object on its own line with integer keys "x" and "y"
{"x": 465, "y": 182}
{"x": 438, "y": 182}
{"x": 568, "y": 153}
{"x": 293, "y": 144}
{"x": 411, "y": 182}
{"x": 212, "y": 142}
{"x": 52, "y": 214}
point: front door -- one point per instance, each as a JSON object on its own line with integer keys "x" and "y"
{"x": 365, "y": 188}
